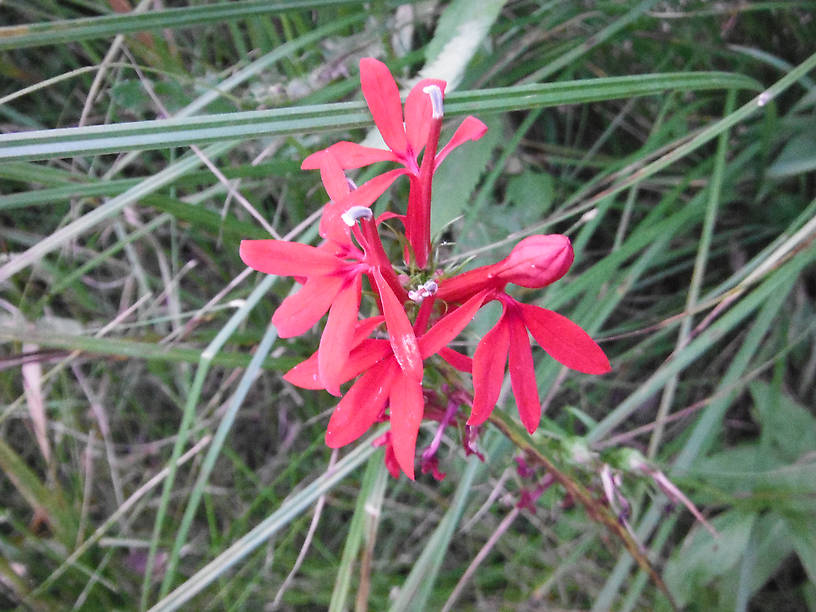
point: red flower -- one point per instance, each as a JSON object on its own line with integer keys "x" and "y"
{"x": 333, "y": 283}
{"x": 388, "y": 373}
{"x": 390, "y": 378}
{"x": 562, "y": 339}
{"x": 405, "y": 136}
{"x": 535, "y": 262}
{"x": 333, "y": 271}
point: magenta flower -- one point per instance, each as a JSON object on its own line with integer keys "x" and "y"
{"x": 405, "y": 135}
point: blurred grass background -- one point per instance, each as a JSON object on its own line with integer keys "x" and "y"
{"x": 152, "y": 457}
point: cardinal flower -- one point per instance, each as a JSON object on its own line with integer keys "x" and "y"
{"x": 333, "y": 283}
{"x": 332, "y": 271}
{"x": 389, "y": 376}
{"x": 405, "y": 135}
{"x": 535, "y": 262}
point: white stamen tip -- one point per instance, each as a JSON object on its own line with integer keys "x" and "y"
{"x": 423, "y": 291}
{"x": 355, "y": 213}
{"x": 435, "y": 94}
{"x": 352, "y": 185}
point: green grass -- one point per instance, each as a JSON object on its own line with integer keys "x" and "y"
{"x": 152, "y": 457}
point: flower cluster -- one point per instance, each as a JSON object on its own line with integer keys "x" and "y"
{"x": 422, "y": 308}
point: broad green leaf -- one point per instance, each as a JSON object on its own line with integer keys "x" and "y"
{"x": 797, "y": 156}
{"x": 457, "y": 177}
{"x": 702, "y": 557}
{"x": 804, "y": 541}
{"x": 789, "y": 428}
{"x": 531, "y": 191}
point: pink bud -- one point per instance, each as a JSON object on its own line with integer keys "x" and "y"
{"x": 536, "y": 261}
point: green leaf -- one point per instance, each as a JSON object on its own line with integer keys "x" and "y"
{"x": 39, "y": 496}
{"x": 804, "y": 541}
{"x": 531, "y": 191}
{"x": 175, "y": 132}
{"x": 702, "y": 557}
{"x": 788, "y": 427}
{"x": 73, "y": 30}
{"x": 463, "y": 26}
{"x": 457, "y": 177}
{"x": 797, "y": 156}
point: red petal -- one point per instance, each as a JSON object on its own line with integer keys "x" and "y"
{"x": 564, "y": 341}
{"x": 488, "y": 370}
{"x": 388, "y": 215}
{"x": 461, "y": 362}
{"x": 449, "y": 326}
{"x": 360, "y": 407}
{"x": 383, "y": 98}
{"x": 333, "y": 177}
{"x": 287, "y": 258}
{"x": 304, "y": 374}
{"x": 350, "y": 155}
{"x": 407, "y": 407}
{"x": 463, "y": 286}
{"x": 391, "y": 461}
{"x": 362, "y": 357}
{"x": 470, "y": 129}
{"x": 336, "y": 341}
{"x": 365, "y": 353}
{"x": 367, "y": 193}
{"x": 418, "y": 111}
{"x": 313, "y": 161}
{"x": 332, "y": 227}
{"x": 299, "y": 312}
{"x": 522, "y": 373}
{"x": 364, "y": 327}
{"x": 400, "y": 333}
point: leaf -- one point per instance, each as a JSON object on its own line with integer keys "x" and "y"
{"x": 796, "y": 157}
{"x": 456, "y": 179}
{"x": 42, "y": 499}
{"x": 531, "y": 193}
{"x": 461, "y": 29}
{"x": 756, "y": 472}
{"x": 786, "y": 426}
{"x": 804, "y": 541}
{"x": 702, "y": 558}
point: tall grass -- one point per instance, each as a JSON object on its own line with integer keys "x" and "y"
{"x": 152, "y": 455}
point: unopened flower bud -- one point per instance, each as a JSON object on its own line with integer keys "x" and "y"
{"x": 537, "y": 261}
